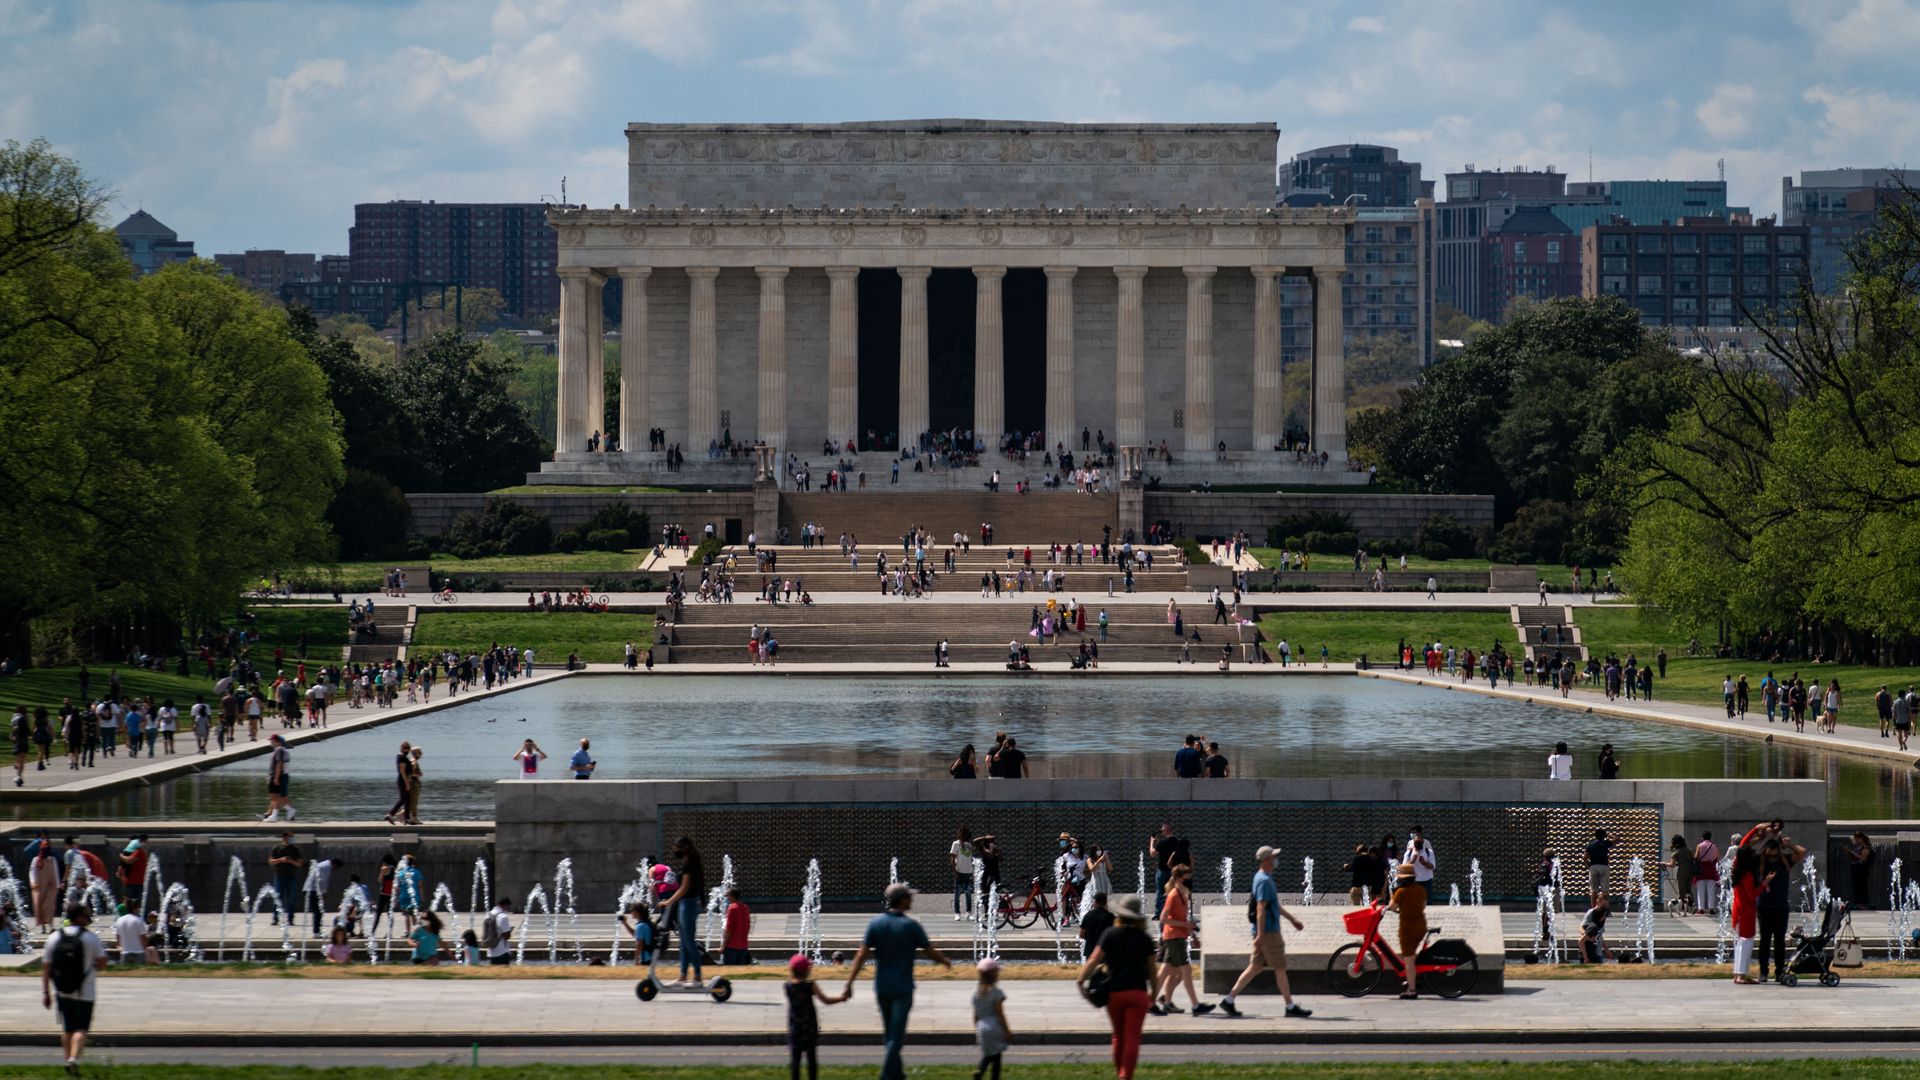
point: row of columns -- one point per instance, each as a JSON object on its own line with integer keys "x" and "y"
{"x": 582, "y": 395}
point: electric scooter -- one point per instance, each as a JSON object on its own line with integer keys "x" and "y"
{"x": 719, "y": 988}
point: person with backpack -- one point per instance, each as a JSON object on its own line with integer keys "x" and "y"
{"x": 73, "y": 957}
{"x": 496, "y": 932}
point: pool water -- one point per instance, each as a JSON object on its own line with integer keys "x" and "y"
{"x": 754, "y": 725}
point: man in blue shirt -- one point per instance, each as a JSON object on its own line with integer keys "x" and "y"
{"x": 1269, "y": 947}
{"x": 893, "y": 940}
{"x": 582, "y": 762}
{"x": 1187, "y": 760}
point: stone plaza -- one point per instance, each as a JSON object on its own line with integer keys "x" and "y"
{"x": 824, "y": 286}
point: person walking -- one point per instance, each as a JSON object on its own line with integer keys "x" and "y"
{"x": 803, "y": 1022}
{"x": 415, "y": 781}
{"x": 1420, "y": 853}
{"x": 69, "y": 965}
{"x": 278, "y": 782}
{"x": 402, "y": 779}
{"x": 1269, "y": 946}
{"x": 1126, "y": 952}
{"x": 892, "y": 941}
{"x": 990, "y": 1027}
{"x": 1177, "y": 927}
{"x": 496, "y": 932}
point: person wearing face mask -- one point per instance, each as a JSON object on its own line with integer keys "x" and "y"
{"x": 1420, "y": 853}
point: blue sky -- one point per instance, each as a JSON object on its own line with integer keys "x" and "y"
{"x": 250, "y": 123}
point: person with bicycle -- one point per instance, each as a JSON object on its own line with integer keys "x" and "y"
{"x": 1410, "y": 901}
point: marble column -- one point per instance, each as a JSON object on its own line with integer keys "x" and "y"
{"x": 596, "y": 354}
{"x": 635, "y": 419}
{"x": 1199, "y": 415}
{"x": 913, "y": 353}
{"x": 772, "y": 426}
{"x": 703, "y": 391}
{"x": 1329, "y": 364}
{"x": 570, "y": 428}
{"x": 1269, "y": 417}
{"x": 1130, "y": 360}
{"x": 843, "y": 355}
{"x": 1061, "y": 424}
{"x": 989, "y": 357}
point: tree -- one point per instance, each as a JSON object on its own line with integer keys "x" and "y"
{"x": 475, "y": 310}
{"x": 466, "y": 432}
{"x": 1788, "y": 489}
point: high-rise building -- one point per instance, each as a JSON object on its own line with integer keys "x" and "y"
{"x": 333, "y": 291}
{"x": 1388, "y": 287}
{"x": 1836, "y": 205}
{"x": 1374, "y": 173}
{"x": 1709, "y": 272}
{"x": 420, "y": 247}
{"x": 150, "y": 244}
{"x": 268, "y": 269}
{"x": 1479, "y": 203}
{"x": 1532, "y": 254}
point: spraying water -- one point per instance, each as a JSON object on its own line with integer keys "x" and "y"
{"x": 1060, "y": 908}
{"x": 1641, "y": 895}
{"x": 480, "y": 901}
{"x": 1723, "y": 930}
{"x": 1475, "y": 884}
{"x": 538, "y": 896}
{"x": 355, "y": 902}
{"x": 812, "y": 940}
{"x": 236, "y": 875}
{"x": 717, "y": 901}
{"x": 1226, "y": 881}
{"x": 1141, "y": 890}
{"x": 176, "y": 905}
{"x": 1453, "y": 895}
{"x": 1306, "y": 881}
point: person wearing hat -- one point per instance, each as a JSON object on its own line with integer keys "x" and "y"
{"x": 1269, "y": 947}
{"x": 1126, "y": 952}
{"x": 803, "y": 1023}
{"x": 1410, "y": 900}
{"x": 893, "y": 940}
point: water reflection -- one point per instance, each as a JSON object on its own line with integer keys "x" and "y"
{"x": 735, "y": 727}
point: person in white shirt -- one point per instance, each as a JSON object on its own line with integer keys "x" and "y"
{"x": 500, "y": 941}
{"x": 1420, "y": 853}
{"x": 130, "y": 933}
{"x": 75, "y": 1002}
{"x": 960, "y": 856}
{"x": 1560, "y": 763}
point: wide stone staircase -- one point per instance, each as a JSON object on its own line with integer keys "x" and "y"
{"x": 393, "y": 629}
{"x": 894, "y": 631}
{"x": 1548, "y": 630}
{"x": 881, "y": 518}
{"x": 825, "y": 570}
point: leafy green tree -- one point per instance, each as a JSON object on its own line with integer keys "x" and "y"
{"x": 466, "y": 432}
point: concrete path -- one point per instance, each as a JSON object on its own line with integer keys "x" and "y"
{"x": 523, "y": 1011}
{"x": 1847, "y": 740}
{"x": 970, "y": 594}
{"x": 123, "y": 770}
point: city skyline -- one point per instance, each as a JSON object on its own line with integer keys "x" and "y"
{"x": 262, "y": 125}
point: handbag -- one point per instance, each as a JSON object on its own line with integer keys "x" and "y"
{"x": 1847, "y": 950}
{"x": 1097, "y": 986}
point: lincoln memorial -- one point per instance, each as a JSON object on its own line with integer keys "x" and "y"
{"x": 806, "y": 286}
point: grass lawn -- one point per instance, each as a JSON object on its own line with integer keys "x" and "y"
{"x": 325, "y": 627}
{"x": 599, "y": 637}
{"x": 1557, "y": 575}
{"x": 581, "y": 489}
{"x": 1347, "y": 634}
{"x": 1766, "y": 1066}
{"x": 46, "y": 686}
{"x": 586, "y": 562}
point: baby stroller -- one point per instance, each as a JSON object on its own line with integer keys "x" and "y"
{"x": 1813, "y": 953}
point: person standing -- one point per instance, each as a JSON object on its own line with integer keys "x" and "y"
{"x": 130, "y": 935}
{"x": 1363, "y": 872}
{"x": 1860, "y": 870}
{"x": 529, "y": 756}
{"x": 1420, "y": 853}
{"x": 402, "y": 779}
{"x": 278, "y": 782}
{"x": 892, "y": 940}
{"x": 72, "y": 959}
{"x": 43, "y": 879}
{"x": 1094, "y": 923}
{"x": 803, "y": 1022}
{"x": 1188, "y": 762}
{"x": 1560, "y": 763}
{"x": 1410, "y": 901}
{"x": 1744, "y": 917}
{"x": 496, "y": 933}
{"x": 990, "y": 1026}
{"x": 960, "y": 860}
{"x": 287, "y": 863}
{"x": 132, "y": 871}
{"x": 684, "y": 902}
{"x": 415, "y": 780}
{"x": 1778, "y": 855}
{"x": 202, "y": 717}
{"x": 1216, "y": 765}
{"x": 1127, "y": 952}
{"x": 1706, "y": 875}
{"x": 1168, "y": 851}
{"x": 1598, "y": 853}
{"x": 582, "y": 762}
{"x": 1269, "y": 946}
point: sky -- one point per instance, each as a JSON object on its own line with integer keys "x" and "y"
{"x": 253, "y": 123}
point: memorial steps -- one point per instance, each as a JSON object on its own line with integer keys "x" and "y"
{"x": 1548, "y": 630}
{"x": 882, "y": 517}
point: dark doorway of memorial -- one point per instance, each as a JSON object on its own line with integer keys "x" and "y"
{"x": 950, "y": 343}
{"x": 1023, "y": 304}
{"x": 879, "y": 358}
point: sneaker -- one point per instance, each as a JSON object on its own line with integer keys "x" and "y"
{"x": 275, "y": 816}
{"x": 1155, "y": 1010}
{"x": 1174, "y": 1010}
{"x": 1298, "y": 1013}
{"x": 1227, "y": 1006}
{"x": 1203, "y": 1008}
{"x": 292, "y": 813}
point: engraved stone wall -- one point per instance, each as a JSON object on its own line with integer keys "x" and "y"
{"x": 951, "y": 163}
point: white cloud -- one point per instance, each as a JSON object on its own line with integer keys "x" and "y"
{"x": 827, "y": 44}
{"x": 1367, "y": 24}
{"x": 290, "y": 100}
{"x": 1870, "y": 128}
{"x": 1726, "y": 115}
{"x": 1869, "y": 28}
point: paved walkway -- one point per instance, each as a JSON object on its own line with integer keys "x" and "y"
{"x": 534, "y": 1010}
{"x": 963, "y": 594}
{"x": 1847, "y": 740}
{"x": 122, "y": 769}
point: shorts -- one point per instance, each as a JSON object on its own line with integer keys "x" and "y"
{"x": 502, "y": 960}
{"x": 75, "y": 1014}
{"x": 1597, "y": 879}
{"x": 277, "y": 787}
{"x": 1173, "y": 952}
{"x": 1270, "y": 951}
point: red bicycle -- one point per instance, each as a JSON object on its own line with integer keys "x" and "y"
{"x": 1450, "y": 967}
{"x": 1036, "y": 905}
